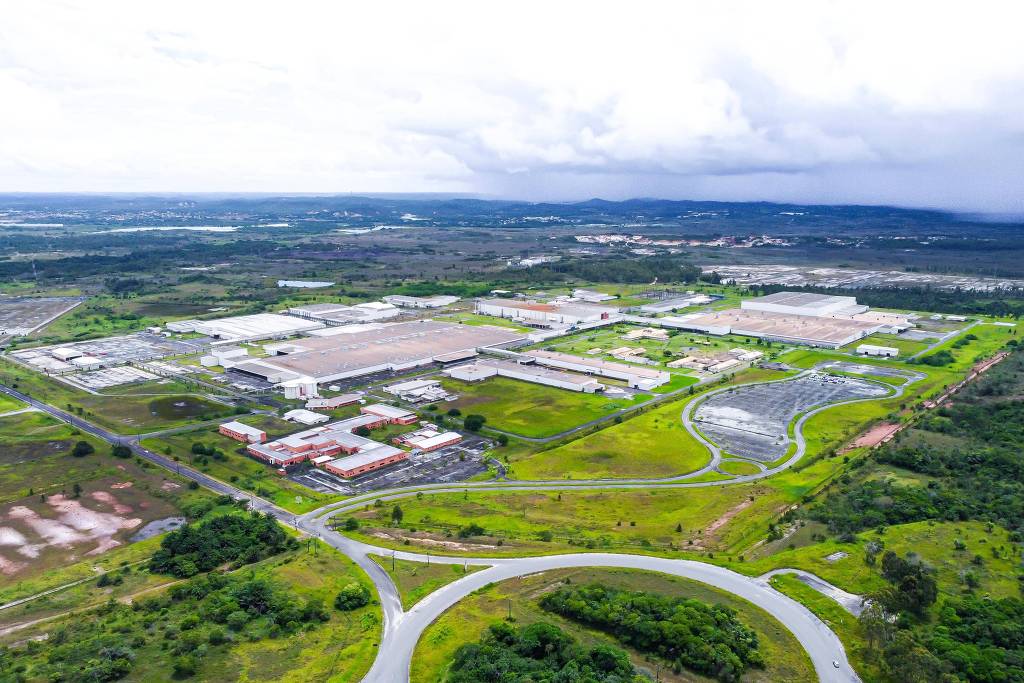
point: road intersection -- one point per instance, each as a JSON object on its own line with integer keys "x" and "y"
{"x": 402, "y": 629}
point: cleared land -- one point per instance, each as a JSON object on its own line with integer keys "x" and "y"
{"x": 531, "y": 410}
{"x": 463, "y": 623}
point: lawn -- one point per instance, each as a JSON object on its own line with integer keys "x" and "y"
{"x": 464, "y": 622}
{"x": 652, "y": 444}
{"x": 416, "y": 580}
{"x": 531, "y": 410}
{"x": 240, "y": 469}
{"x": 7, "y": 404}
{"x": 516, "y": 523}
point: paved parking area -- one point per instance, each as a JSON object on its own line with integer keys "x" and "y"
{"x": 128, "y": 348}
{"x": 445, "y": 465}
{"x": 111, "y": 377}
{"x": 752, "y": 421}
{"x": 23, "y": 314}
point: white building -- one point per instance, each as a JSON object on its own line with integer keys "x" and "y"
{"x": 246, "y": 327}
{"x": 881, "y": 351}
{"x": 300, "y": 387}
{"x": 419, "y": 391}
{"x": 483, "y": 369}
{"x": 306, "y": 417}
{"x": 438, "y": 301}
{"x": 805, "y": 303}
{"x": 636, "y": 377}
{"x": 547, "y": 315}
{"x": 342, "y": 314}
{"x": 590, "y": 296}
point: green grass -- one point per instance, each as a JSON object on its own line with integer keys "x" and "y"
{"x": 416, "y": 580}
{"x": 630, "y": 521}
{"x": 464, "y": 623}
{"x": 531, "y": 410}
{"x": 931, "y": 541}
{"x": 843, "y": 623}
{"x": 907, "y": 347}
{"x": 340, "y": 650}
{"x": 8, "y": 403}
{"x": 653, "y": 444}
{"x": 736, "y": 467}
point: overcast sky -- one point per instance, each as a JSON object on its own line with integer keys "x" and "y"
{"x": 909, "y": 103}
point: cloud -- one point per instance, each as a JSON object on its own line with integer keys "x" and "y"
{"x": 913, "y": 103}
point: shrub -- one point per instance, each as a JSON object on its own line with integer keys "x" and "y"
{"x": 353, "y": 596}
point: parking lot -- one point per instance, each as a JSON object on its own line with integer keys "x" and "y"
{"x": 24, "y": 315}
{"x": 140, "y": 346}
{"x": 446, "y": 465}
{"x": 752, "y": 421}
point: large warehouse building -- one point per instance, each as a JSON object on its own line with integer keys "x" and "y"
{"x": 635, "y": 377}
{"x": 390, "y": 348}
{"x": 547, "y": 315}
{"x": 805, "y": 303}
{"x": 481, "y": 370}
{"x": 246, "y": 327}
{"x": 796, "y": 329}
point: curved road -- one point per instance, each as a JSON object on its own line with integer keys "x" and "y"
{"x": 401, "y": 629}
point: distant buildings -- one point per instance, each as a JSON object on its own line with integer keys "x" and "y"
{"x": 590, "y": 296}
{"x": 243, "y": 328}
{"x": 534, "y": 313}
{"x": 437, "y": 301}
{"x": 342, "y": 314}
{"x": 881, "y": 351}
{"x": 635, "y": 377}
{"x": 526, "y": 372}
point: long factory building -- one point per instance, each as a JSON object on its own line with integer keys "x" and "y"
{"x": 526, "y": 372}
{"x": 388, "y": 348}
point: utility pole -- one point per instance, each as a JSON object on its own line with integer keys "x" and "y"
{"x": 392, "y": 560}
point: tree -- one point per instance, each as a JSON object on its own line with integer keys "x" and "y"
{"x": 454, "y": 412}
{"x": 474, "y": 422}
{"x": 502, "y": 439}
{"x": 76, "y": 490}
{"x": 351, "y": 524}
{"x": 353, "y": 596}
{"x": 876, "y": 625}
{"x": 121, "y": 451}
{"x": 397, "y": 514}
{"x": 82, "y": 449}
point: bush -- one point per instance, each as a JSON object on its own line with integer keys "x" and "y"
{"x": 120, "y": 451}
{"x": 353, "y": 596}
{"x": 474, "y": 422}
{"x": 82, "y": 449}
{"x": 351, "y": 524}
{"x": 185, "y": 666}
{"x": 237, "y": 620}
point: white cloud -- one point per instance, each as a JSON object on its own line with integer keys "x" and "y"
{"x": 813, "y": 101}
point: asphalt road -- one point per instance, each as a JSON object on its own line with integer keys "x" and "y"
{"x": 401, "y": 630}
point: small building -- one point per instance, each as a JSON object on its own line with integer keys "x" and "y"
{"x": 306, "y": 417}
{"x": 65, "y": 353}
{"x": 881, "y": 351}
{"x": 87, "y": 362}
{"x": 655, "y": 333}
{"x": 392, "y": 414}
{"x": 419, "y": 391}
{"x": 300, "y": 387}
{"x": 332, "y": 402}
{"x": 242, "y": 432}
{"x": 365, "y": 461}
{"x": 437, "y": 301}
{"x": 724, "y": 365}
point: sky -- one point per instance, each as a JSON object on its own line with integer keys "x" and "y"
{"x": 906, "y": 103}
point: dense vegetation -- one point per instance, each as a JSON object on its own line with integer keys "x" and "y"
{"x": 690, "y": 634}
{"x": 226, "y": 539}
{"x": 538, "y": 653}
{"x": 610, "y": 269}
{"x": 190, "y": 621}
{"x": 968, "y": 457}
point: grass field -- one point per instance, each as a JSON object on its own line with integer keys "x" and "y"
{"x": 416, "y": 580}
{"x": 463, "y": 623}
{"x": 129, "y": 414}
{"x": 340, "y": 650}
{"x": 531, "y": 410}
{"x": 515, "y": 522}
{"x": 7, "y": 404}
{"x": 653, "y": 444}
{"x": 242, "y": 470}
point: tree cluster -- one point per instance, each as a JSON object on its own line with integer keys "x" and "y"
{"x": 237, "y": 539}
{"x": 693, "y": 635}
{"x": 538, "y": 653}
